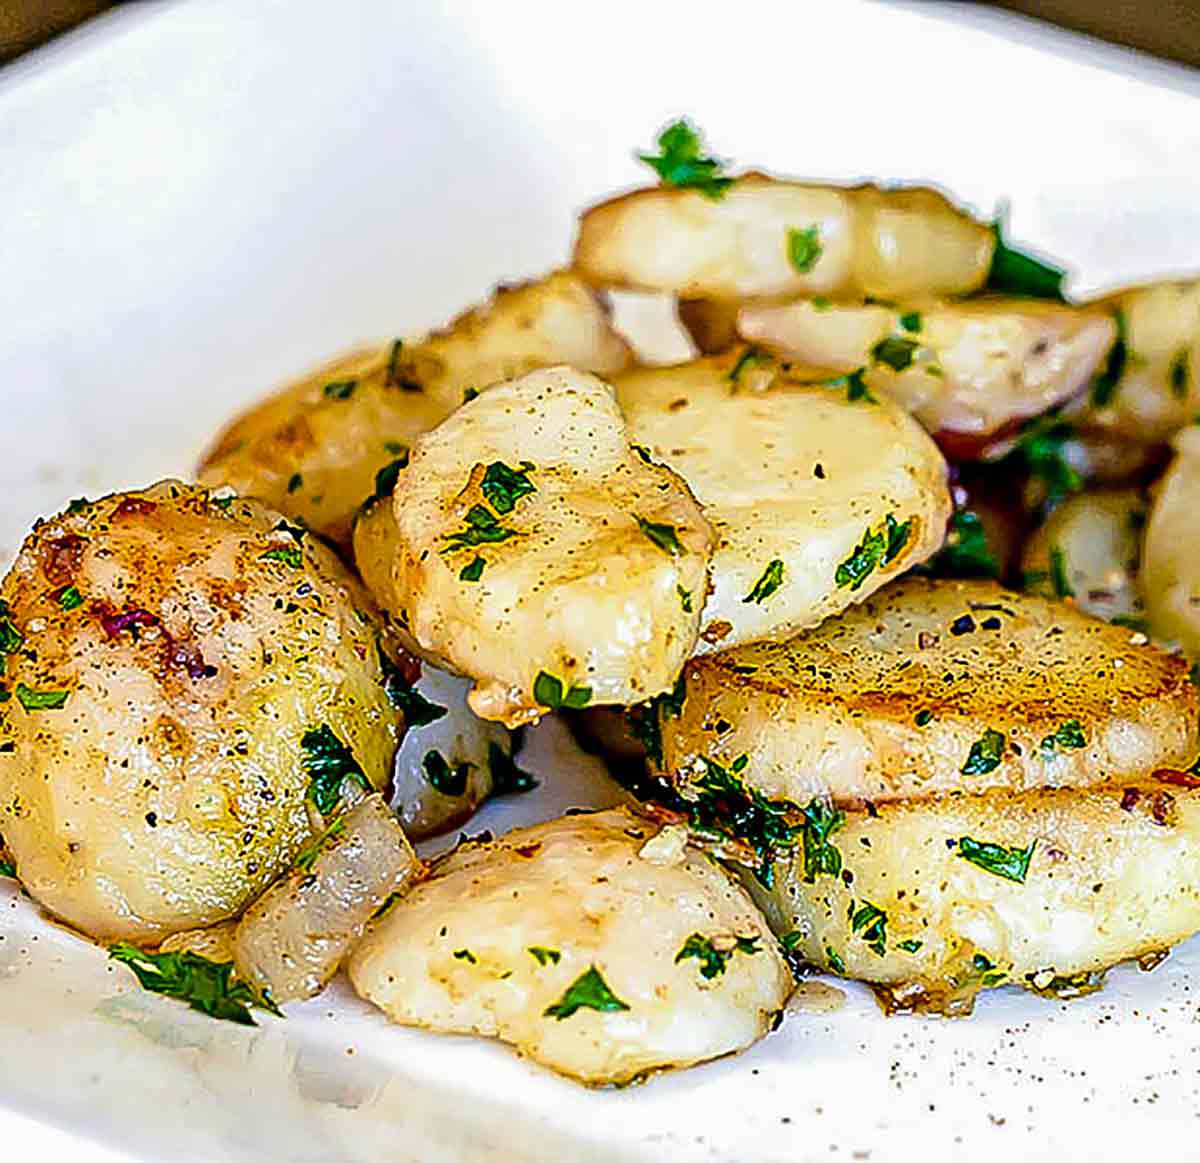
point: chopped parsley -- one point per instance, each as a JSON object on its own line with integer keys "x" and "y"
{"x": 205, "y": 985}
{"x": 449, "y": 781}
{"x": 395, "y": 447}
{"x": 329, "y": 764}
{"x": 34, "y": 700}
{"x": 548, "y": 692}
{"x": 78, "y": 505}
{"x": 588, "y": 991}
{"x": 507, "y": 778}
{"x": 712, "y": 958}
{"x": 835, "y": 961}
{"x": 855, "y": 385}
{"x": 1069, "y": 737}
{"x": 870, "y": 923}
{"x": 11, "y": 639}
{"x": 985, "y": 753}
{"x": 681, "y": 164}
{"x": 473, "y": 570}
{"x": 503, "y": 487}
{"x": 821, "y": 820}
{"x": 295, "y": 481}
{"x": 544, "y": 956}
{"x": 909, "y": 946}
{"x": 1180, "y": 375}
{"x": 418, "y": 710}
{"x": 685, "y": 599}
{"x": 386, "y": 478}
{"x": 862, "y": 562}
{"x": 69, "y": 598}
{"x": 8, "y": 868}
{"x": 664, "y": 536}
{"x": 1059, "y": 578}
{"x": 393, "y": 378}
{"x": 897, "y": 538}
{"x": 481, "y": 527}
{"x": 290, "y": 555}
{"x": 1015, "y": 273}
{"x": 1010, "y": 863}
{"x": 465, "y": 955}
{"x": 645, "y": 719}
{"x": 923, "y": 718}
{"x": 911, "y": 322}
{"x": 340, "y": 389}
{"x": 1041, "y": 451}
{"x": 725, "y": 806}
{"x": 1104, "y": 386}
{"x": 966, "y": 552}
{"x": 804, "y": 248}
{"x": 898, "y": 353}
{"x": 767, "y": 584}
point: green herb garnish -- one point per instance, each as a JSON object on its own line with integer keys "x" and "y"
{"x": 503, "y": 487}
{"x": 855, "y": 385}
{"x": 713, "y": 959}
{"x": 205, "y": 985}
{"x": 821, "y": 820}
{"x": 685, "y": 599}
{"x": 923, "y": 718}
{"x": 1104, "y": 386}
{"x": 645, "y": 719}
{"x": 589, "y": 991}
{"x": 896, "y": 352}
{"x": 465, "y": 955}
{"x": 480, "y": 528}
{"x": 473, "y": 570}
{"x": 1015, "y": 273}
{"x": 909, "y": 946}
{"x": 544, "y": 956}
{"x": 749, "y": 356}
{"x": 340, "y": 389}
{"x": 548, "y": 692}
{"x": 307, "y": 856}
{"x": 329, "y": 763}
{"x": 290, "y": 555}
{"x": 507, "y": 778}
{"x": 295, "y": 481}
{"x": 804, "y": 248}
{"x": 1069, "y": 737}
{"x": 34, "y": 700}
{"x": 1059, "y": 578}
{"x": 449, "y": 781}
{"x": 911, "y": 322}
{"x": 966, "y": 552}
{"x": 897, "y": 538}
{"x": 870, "y": 923}
{"x": 11, "y": 639}
{"x": 767, "y": 584}
{"x": 681, "y": 164}
{"x": 835, "y": 961}
{"x": 664, "y": 536}
{"x": 862, "y": 562}
{"x": 1180, "y": 376}
{"x": 418, "y": 710}
{"x": 985, "y": 753}
{"x": 386, "y": 478}
{"x": 1010, "y": 863}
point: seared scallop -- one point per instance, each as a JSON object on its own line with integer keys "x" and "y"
{"x": 541, "y": 556}
{"x": 817, "y": 499}
{"x": 597, "y": 944}
{"x": 190, "y": 675}
{"x": 931, "y": 687}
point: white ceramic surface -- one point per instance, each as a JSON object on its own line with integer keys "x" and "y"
{"x": 200, "y": 200}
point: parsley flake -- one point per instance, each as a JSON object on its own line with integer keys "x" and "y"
{"x": 480, "y": 528}
{"x": 767, "y": 584}
{"x": 1060, "y": 579}
{"x": 897, "y": 538}
{"x": 473, "y": 570}
{"x": 870, "y": 923}
{"x": 855, "y": 385}
{"x": 307, "y": 856}
{"x": 1015, "y": 273}
{"x": 985, "y": 753}
{"x": 750, "y": 356}
{"x": 206, "y": 986}
{"x": 911, "y": 322}
{"x": 821, "y": 820}
{"x": 544, "y": 956}
{"x": 862, "y": 562}
{"x": 1105, "y": 385}
{"x": 712, "y": 958}
{"x": 1068, "y": 737}
{"x": 909, "y": 946}
{"x": 418, "y": 710}
{"x": 503, "y": 487}
{"x": 681, "y": 164}
{"x": 588, "y": 991}
{"x": 1010, "y": 863}
{"x": 896, "y": 352}
{"x": 664, "y": 536}
{"x": 465, "y": 955}
{"x": 645, "y": 719}
{"x": 685, "y": 599}
{"x": 34, "y": 700}
{"x": 447, "y": 780}
{"x": 340, "y": 389}
{"x": 329, "y": 763}
{"x": 290, "y": 555}
{"x": 804, "y": 248}
{"x": 1180, "y": 375}
{"x": 548, "y": 692}
{"x": 386, "y": 478}
{"x": 966, "y": 552}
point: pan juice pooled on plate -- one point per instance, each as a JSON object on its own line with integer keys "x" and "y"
{"x": 882, "y": 608}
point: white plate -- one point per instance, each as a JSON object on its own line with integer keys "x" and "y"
{"x": 199, "y": 201}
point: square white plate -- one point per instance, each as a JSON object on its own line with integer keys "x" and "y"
{"x": 201, "y": 200}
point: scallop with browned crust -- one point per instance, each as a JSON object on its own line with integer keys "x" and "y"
{"x": 313, "y": 449}
{"x": 596, "y": 944}
{"x": 930, "y": 687}
{"x": 818, "y": 495}
{"x": 189, "y": 675}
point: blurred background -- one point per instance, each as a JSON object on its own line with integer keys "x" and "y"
{"x": 1165, "y": 28}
